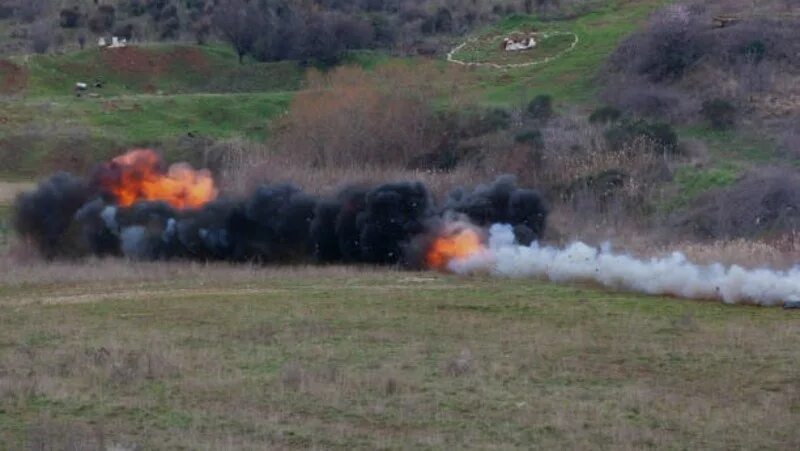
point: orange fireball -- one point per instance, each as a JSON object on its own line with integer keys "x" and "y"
{"x": 456, "y": 243}
{"x": 139, "y": 175}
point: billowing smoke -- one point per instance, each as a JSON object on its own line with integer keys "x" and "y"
{"x": 134, "y": 207}
{"x": 502, "y": 203}
{"x": 138, "y": 208}
{"x": 671, "y": 275}
{"x": 45, "y": 216}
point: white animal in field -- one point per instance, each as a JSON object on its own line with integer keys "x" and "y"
{"x": 515, "y": 45}
{"x": 114, "y": 43}
{"x": 118, "y": 43}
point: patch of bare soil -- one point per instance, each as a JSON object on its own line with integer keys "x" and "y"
{"x": 13, "y": 78}
{"x": 136, "y": 60}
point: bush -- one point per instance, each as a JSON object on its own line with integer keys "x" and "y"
{"x": 763, "y": 202}
{"x": 135, "y": 8}
{"x": 42, "y": 37}
{"x": 6, "y": 12}
{"x": 70, "y": 18}
{"x": 541, "y": 108}
{"x": 493, "y": 120}
{"x": 658, "y": 132}
{"x": 605, "y": 115}
{"x": 532, "y": 138}
{"x": 444, "y": 21}
{"x": 754, "y": 51}
{"x": 719, "y": 113}
{"x": 663, "y": 51}
{"x": 170, "y": 28}
{"x": 126, "y": 31}
{"x": 103, "y": 19}
{"x": 384, "y": 126}
{"x": 30, "y": 10}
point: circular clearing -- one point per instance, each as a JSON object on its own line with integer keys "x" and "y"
{"x": 487, "y": 50}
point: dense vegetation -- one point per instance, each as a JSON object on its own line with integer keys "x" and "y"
{"x": 650, "y": 121}
{"x": 265, "y": 29}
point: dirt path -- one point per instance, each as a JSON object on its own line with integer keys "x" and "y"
{"x": 132, "y": 295}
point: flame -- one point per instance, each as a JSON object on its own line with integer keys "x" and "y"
{"x": 456, "y": 243}
{"x": 139, "y": 175}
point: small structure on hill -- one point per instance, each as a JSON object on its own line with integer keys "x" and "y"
{"x": 114, "y": 43}
{"x": 518, "y": 43}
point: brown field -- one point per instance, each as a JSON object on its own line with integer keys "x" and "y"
{"x": 112, "y": 354}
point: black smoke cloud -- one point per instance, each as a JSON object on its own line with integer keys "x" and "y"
{"x": 45, "y": 216}
{"x": 381, "y": 224}
{"x": 502, "y": 202}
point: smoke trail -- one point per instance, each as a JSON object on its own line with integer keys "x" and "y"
{"x": 671, "y": 275}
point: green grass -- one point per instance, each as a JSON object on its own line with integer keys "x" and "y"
{"x": 486, "y": 49}
{"x": 143, "y": 118}
{"x": 182, "y": 356}
{"x": 690, "y": 182}
{"x": 90, "y": 130}
{"x": 693, "y": 181}
{"x": 571, "y": 78}
{"x": 725, "y": 145}
{"x": 175, "y": 92}
{"x": 152, "y": 69}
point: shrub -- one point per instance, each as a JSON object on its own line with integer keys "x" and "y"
{"x": 134, "y": 7}
{"x": 353, "y": 117}
{"x": 42, "y": 37}
{"x": 663, "y": 51}
{"x": 605, "y": 115}
{"x": 30, "y": 10}
{"x": 126, "y": 31}
{"x": 541, "y": 108}
{"x": 493, "y": 120}
{"x": 533, "y": 138}
{"x": 170, "y": 28}
{"x": 719, "y": 113}
{"x": 70, "y": 18}
{"x": 103, "y": 19}
{"x": 6, "y": 11}
{"x": 763, "y": 202}
{"x": 659, "y": 133}
{"x": 754, "y": 51}
{"x": 444, "y": 21}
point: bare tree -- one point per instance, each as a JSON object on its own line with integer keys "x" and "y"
{"x": 30, "y": 10}
{"x": 241, "y": 23}
{"x": 41, "y": 37}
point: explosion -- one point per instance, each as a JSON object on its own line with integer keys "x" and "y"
{"x": 139, "y": 175}
{"x": 458, "y": 242}
{"x": 132, "y": 207}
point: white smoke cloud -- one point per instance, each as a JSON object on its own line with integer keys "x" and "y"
{"x": 671, "y": 275}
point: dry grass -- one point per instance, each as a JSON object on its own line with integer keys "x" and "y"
{"x": 236, "y": 357}
{"x": 10, "y": 190}
{"x": 245, "y": 166}
{"x": 782, "y": 252}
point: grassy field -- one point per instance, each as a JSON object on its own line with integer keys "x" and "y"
{"x": 157, "y": 68}
{"x": 157, "y": 95}
{"x": 486, "y": 49}
{"x": 572, "y": 77}
{"x": 185, "y": 356}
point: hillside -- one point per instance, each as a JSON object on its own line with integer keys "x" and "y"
{"x": 185, "y": 99}
{"x": 407, "y": 236}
